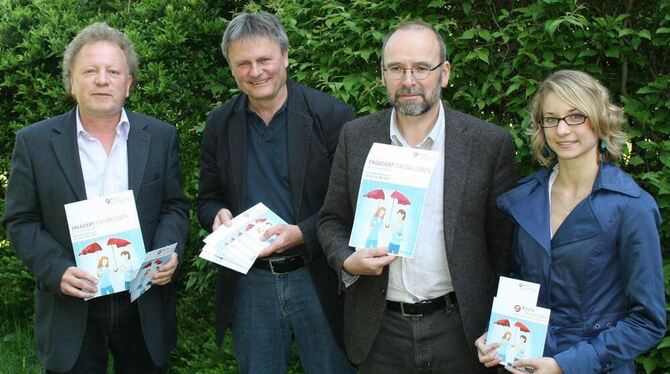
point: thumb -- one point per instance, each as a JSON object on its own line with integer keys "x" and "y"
{"x": 381, "y": 251}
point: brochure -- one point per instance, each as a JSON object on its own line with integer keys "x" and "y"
{"x": 142, "y": 281}
{"x": 106, "y": 239}
{"x": 517, "y": 324}
{"x": 391, "y": 198}
{"x": 237, "y": 246}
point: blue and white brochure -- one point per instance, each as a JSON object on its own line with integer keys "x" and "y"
{"x": 517, "y": 324}
{"x": 142, "y": 281}
{"x": 237, "y": 246}
{"x": 106, "y": 239}
{"x": 391, "y": 198}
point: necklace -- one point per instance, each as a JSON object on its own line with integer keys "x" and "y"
{"x": 562, "y": 204}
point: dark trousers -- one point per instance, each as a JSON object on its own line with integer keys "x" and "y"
{"x": 113, "y": 325}
{"x": 434, "y": 343}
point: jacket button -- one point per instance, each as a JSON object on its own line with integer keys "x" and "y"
{"x": 597, "y": 326}
{"x": 609, "y": 324}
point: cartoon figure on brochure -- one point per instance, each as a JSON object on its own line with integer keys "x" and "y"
{"x": 385, "y": 229}
{"x": 398, "y": 227}
{"x": 104, "y": 274}
{"x": 376, "y": 224}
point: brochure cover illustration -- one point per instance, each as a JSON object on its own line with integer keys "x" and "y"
{"x": 391, "y": 198}
{"x": 107, "y": 240}
{"x": 516, "y": 323}
{"x": 237, "y": 247}
{"x": 142, "y": 281}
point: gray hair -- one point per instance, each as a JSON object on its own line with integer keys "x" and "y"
{"x": 253, "y": 25}
{"x": 418, "y": 25}
{"x": 98, "y": 32}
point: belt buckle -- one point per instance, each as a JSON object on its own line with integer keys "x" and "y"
{"x": 272, "y": 268}
{"x": 402, "y": 311}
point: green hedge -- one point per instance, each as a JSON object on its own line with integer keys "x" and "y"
{"x": 499, "y": 51}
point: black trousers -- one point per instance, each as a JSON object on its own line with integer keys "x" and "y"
{"x": 113, "y": 325}
{"x": 433, "y": 343}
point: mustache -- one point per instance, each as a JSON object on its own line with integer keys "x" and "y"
{"x": 409, "y": 91}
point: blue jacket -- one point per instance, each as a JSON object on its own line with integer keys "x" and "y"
{"x": 601, "y": 274}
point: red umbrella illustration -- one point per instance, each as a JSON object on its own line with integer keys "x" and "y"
{"x": 503, "y": 322}
{"x": 522, "y": 327}
{"x": 117, "y": 243}
{"x": 400, "y": 198}
{"x": 377, "y": 194}
{"x": 91, "y": 248}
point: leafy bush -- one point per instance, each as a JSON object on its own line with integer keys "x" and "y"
{"x": 499, "y": 52}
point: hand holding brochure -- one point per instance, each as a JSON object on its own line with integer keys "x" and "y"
{"x": 517, "y": 324}
{"x": 153, "y": 259}
{"x": 106, "y": 239}
{"x": 237, "y": 246}
{"x": 391, "y": 197}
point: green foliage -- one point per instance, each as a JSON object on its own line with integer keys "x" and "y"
{"x": 17, "y": 348}
{"x": 498, "y": 50}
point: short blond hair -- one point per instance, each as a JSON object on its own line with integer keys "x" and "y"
{"x": 98, "y": 32}
{"x": 586, "y": 94}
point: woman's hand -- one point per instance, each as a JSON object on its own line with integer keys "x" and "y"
{"x": 544, "y": 365}
{"x": 487, "y": 354}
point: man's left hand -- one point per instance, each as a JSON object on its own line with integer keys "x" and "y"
{"x": 286, "y": 236}
{"x": 544, "y": 365}
{"x": 165, "y": 271}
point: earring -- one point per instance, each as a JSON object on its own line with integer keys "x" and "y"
{"x": 602, "y": 146}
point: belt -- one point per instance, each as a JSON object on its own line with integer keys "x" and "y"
{"x": 424, "y": 307}
{"x": 280, "y": 265}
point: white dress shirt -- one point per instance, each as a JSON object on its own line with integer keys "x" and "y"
{"x": 103, "y": 173}
{"x": 426, "y": 276}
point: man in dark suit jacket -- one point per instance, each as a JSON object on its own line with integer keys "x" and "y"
{"x": 421, "y": 314}
{"x": 95, "y": 149}
{"x": 273, "y": 143}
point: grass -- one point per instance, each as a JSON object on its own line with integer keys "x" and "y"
{"x": 196, "y": 350}
{"x": 16, "y": 347}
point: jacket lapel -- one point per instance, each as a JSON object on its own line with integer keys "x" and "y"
{"x": 523, "y": 204}
{"x": 237, "y": 145}
{"x": 381, "y": 134}
{"x": 580, "y": 224}
{"x": 65, "y": 148}
{"x": 457, "y": 159}
{"x": 299, "y": 126}
{"x": 138, "y": 151}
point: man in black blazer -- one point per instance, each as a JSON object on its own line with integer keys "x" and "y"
{"x": 95, "y": 149}
{"x": 421, "y": 314}
{"x": 273, "y": 143}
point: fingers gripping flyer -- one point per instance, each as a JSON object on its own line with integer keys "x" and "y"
{"x": 516, "y": 323}
{"x": 107, "y": 240}
{"x": 237, "y": 246}
{"x": 391, "y": 198}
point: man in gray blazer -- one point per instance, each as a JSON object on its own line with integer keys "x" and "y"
{"x": 422, "y": 314}
{"x": 95, "y": 149}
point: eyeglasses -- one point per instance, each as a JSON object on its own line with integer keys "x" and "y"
{"x": 419, "y": 72}
{"x": 570, "y": 120}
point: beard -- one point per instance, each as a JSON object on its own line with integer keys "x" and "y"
{"x": 416, "y": 108}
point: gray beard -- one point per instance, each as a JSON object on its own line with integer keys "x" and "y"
{"x": 416, "y": 109}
